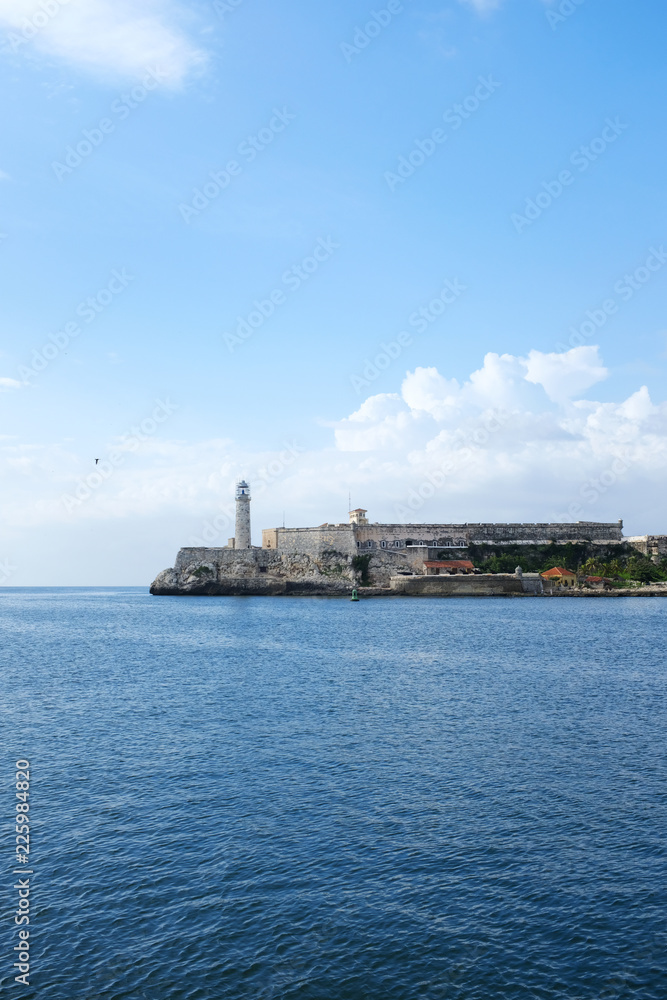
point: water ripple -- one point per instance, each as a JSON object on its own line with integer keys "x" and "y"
{"x": 278, "y": 798}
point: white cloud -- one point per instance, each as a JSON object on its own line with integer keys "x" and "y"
{"x": 565, "y": 375}
{"x": 9, "y": 383}
{"x": 114, "y": 39}
{"x": 427, "y": 390}
{"x": 518, "y": 446}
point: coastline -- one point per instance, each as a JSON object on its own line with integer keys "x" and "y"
{"x": 255, "y": 572}
{"x": 243, "y": 589}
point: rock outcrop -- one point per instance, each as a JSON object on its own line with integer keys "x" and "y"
{"x": 255, "y": 572}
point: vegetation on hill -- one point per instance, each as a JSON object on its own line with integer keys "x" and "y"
{"x": 623, "y": 562}
{"x": 360, "y": 565}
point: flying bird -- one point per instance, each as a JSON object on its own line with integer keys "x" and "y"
{"x": 96, "y": 461}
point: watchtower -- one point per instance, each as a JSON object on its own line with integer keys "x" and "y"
{"x": 358, "y": 516}
{"x": 242, "y": 537}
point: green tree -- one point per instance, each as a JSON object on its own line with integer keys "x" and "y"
{"x": 640, "y": 568}
{"x": 614, "y": 569}
{"x": 593, "y": 567}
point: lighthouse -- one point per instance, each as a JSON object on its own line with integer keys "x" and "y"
{"x": 242, "y": 538}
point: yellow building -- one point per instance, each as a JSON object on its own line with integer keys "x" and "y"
{"x": 559, "y": 577}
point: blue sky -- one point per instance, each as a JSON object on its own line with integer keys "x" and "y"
{"x": 316, "y": 107}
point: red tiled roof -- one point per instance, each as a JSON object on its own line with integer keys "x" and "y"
{"x": 451, "y": 564}
{"x": 557, "y": 571}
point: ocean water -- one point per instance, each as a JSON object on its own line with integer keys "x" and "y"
{"x": 306, "y": 798}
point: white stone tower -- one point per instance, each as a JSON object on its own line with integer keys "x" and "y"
{"x": 242, "y": 516}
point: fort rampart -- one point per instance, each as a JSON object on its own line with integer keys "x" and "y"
{"x": 653, "y": 546}
{"x": 350, "y": 538}
{"x": 483, "y": 585}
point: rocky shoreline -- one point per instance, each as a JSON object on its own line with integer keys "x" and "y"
{"x": 208, "y": 572}
{"x": 166, "y": 586}
{"x": 649, "y": 590}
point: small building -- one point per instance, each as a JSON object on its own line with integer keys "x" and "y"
{"x": 560, "y": 577}
{"x": 599, "y": 582}
{"x": 449, "y": 567}
{"x": 358, "y": 516}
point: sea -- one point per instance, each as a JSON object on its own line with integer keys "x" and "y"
{"x": 314, "y": 799}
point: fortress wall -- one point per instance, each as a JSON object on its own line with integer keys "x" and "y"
{"x": 316, "y": 541}
{"x": 442, "y": 535}
{"x": 385, "y": 563}
{"x": 579, "y": 532}
{"x": 653, "y": 546}
{"x": 639, "y": 542}
{"x": 232, "y": 562}
{"x": 486, "y": 585}
{"x": 459, "y": 535}
{"x": 270, "y": 538}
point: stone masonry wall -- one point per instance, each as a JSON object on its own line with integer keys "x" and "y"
{"x": 653, "y": 546}
{"x": 349, "y": 539}
{"x": 315, "y": 541}
{"x": 457, "y": 535}
{"x": 499, "y": 585}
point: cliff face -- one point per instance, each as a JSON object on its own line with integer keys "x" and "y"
{"x": 267, "y": 571}
{"x": 255, "y": 572}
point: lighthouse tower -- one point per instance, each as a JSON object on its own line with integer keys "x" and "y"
{"x": 242, "y": 516}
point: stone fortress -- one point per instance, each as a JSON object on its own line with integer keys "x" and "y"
{"x": 333, "y": 558}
